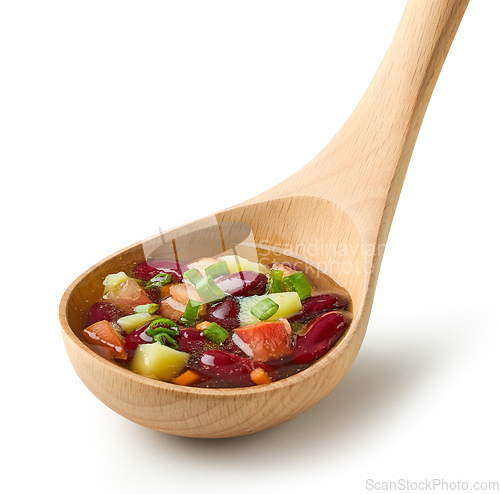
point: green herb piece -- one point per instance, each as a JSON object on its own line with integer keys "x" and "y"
{"x": 147, "y": 308}
{"x": 192, "y": 276}
{"x": 162, "y": 324}
{"x": 297, "y": 282}
{"x": 163, "y": 330}
{"x": 275, "y": 282}
{"x": 208, "y": 290}
{"x": 217, "y": 270}
{"x": 166, "y": 339}
{"x": 215, "y": 333}
{"x": 265, "y": 309}
{"x": 159, "y": 280}
{"x": 191, "y": 313}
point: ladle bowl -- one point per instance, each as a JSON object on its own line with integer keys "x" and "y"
{"x": 334, "y": 214}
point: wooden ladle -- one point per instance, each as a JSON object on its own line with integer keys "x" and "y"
{"x": 341, "y": 204}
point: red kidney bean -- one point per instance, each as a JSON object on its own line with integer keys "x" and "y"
{"x": 191, "y": 341}
{"x": 104, "y": 311}
{"x": 220, "y": 364}
{"x": 225, "y": 314}
{"x": 242, "y": 284}
{"x": 317, "y": 304}
{"x": 147, "y": 269}
{"x": 137, "y": 337}
{"x": 322, "y": 333}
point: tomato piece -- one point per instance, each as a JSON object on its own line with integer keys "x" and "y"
{"x": 266, "y": 340}
{"x": 127, "y": 296}
{"x": 108, "y": 342}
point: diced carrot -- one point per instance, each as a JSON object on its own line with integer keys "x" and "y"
{"x": 108, "y": 342}
{"x": 186, "y": 378}
{"x": 260, "y": 376}
{"x": 203, "y": 325}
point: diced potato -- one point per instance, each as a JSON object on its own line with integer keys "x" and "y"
{"x": 289, "y": 304}
{"x": 236, "y": 263}
{"x": 158, "y": 361}
{"x": 113, "y": 280}
{"x": 132, "y": 322}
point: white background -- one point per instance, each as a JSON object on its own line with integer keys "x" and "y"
{"x": 119, "y": 118}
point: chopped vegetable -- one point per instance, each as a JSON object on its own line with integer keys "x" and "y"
{"x": 209, "y": 291}
{"x": 215, "y": 333}
{"x": 265, "y": 340}
{"x": 164, "y": 338}
{"x": 182, "y": 292}
{"x": 172, "y": 309}
{"x": 287, "y": 270}
{"x": 236, "y": 263}
{"x": 275, "y": 282}
{"x": 148, "y": 308}
{"x": 297, "y": 282}
{"x": 163, "y": 330}
{"x": 158, "y": 361}
{"x": 201, "y": 264}
{"x": 217, "y": 270}
{"x": 260, "y": 376}
{"x": 202, "y": 325}
{"x": 159, "y": 280}
{"x": 127, "y": 296}
{"x": 113, "y": 280}
{"x": 191, "y": 313}
{"x": 289, "y": 304}
{"x": 193, "y": 276}
{"x": 132, "y": 322}
{"x": 265, "y": 309}
{"x": 187, "y": 378}
{"x": 108, "y": 342}
{"x": 165, "y": 290}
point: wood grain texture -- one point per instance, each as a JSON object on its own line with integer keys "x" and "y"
{"x": 335, "y": 213}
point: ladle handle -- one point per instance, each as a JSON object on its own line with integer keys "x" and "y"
{"x": 363, "y": 167}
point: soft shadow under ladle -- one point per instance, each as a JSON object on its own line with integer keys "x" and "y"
{"x": 343, "y": 200}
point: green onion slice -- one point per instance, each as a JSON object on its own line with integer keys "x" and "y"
{"x": 192, "y": 275}
{"x": 208, "y": 290}
{"x": 215, "y": 333}
{"x": 217, "y": 270}
{"x": 297, "y": 282}
{"x": 159, "y": 280}
{"x": 147, "y": 308}
{"x": 265, "y": 309}
{"x": 275, "y": 282}
{"x": 191, "y": 313}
